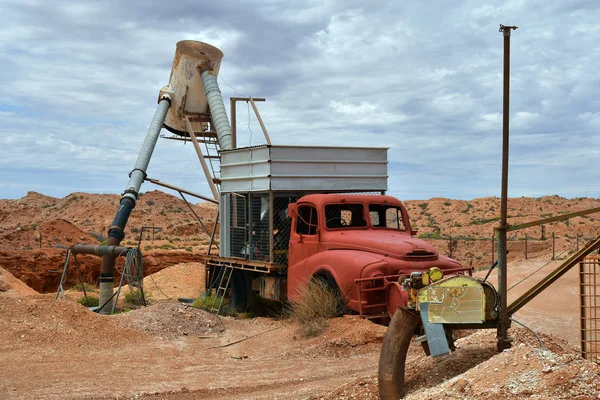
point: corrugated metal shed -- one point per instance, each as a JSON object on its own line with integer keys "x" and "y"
{"x": 303, "y": 168}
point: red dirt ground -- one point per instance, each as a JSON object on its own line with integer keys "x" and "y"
{"x": 60, "y": 350}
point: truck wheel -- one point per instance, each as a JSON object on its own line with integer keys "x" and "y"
{"x": 242, "y": 296}
{"x": 331, "y": 284}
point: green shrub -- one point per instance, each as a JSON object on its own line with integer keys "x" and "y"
{"x": 205, "y": 302}
{"x": 89, "y": 301}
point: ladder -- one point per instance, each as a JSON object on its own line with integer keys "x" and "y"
{"x": 222, "y": 289}
{"x": 207, "y": 147}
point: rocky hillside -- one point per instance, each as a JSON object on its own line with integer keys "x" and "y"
{"x": 36, "y": 229}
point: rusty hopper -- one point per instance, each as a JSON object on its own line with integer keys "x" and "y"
{"x": 192, "y": 90}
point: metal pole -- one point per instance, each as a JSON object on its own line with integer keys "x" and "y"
{"x": 493, "y": 239}
{"x": 502, "y": 334}
{"x": 260, "y": 121}
{"x": 553, "y": 246}
{"x": 232, "y": 112}
{"x": 127, "y": 203}
{"x": 207, "y": 174}
{"x": 526, "y": 238}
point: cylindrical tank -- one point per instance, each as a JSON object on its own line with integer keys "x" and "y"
{"x": 185, "y": 87}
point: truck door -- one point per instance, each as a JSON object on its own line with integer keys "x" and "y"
{"x": 304, "y": 238}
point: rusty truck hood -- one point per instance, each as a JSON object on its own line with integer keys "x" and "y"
{"x": 388, "y": 243}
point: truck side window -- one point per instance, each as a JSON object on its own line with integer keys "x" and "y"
{"x": 307, "y": 220}
{"x": 386, "y": 216}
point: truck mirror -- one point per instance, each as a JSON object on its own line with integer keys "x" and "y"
{"x": 292, "y": 210}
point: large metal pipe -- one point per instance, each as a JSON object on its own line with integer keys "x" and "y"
{"x": 392, "y": 360}
{"x": 127, "y": 203}
{"x": 217, "y": 109}
{"x": 98, "y": 250}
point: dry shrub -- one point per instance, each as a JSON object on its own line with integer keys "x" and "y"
{"x": 319, "y": 303}
{"x": 135, "y": 298}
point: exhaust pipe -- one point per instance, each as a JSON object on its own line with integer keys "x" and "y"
{"x": 392, "y": 360}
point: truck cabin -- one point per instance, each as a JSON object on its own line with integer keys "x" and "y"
{"x": 350, "y": 212}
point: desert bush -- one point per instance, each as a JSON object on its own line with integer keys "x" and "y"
{"x": 318, "y": 303}
{"x": 135, "y": 298}
{"x": 205, "y": 302}
{"x": 89, "y": 288}
{"x": 89, "y": 301}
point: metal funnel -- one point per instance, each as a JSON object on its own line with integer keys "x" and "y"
{"x": 185, "y": 88}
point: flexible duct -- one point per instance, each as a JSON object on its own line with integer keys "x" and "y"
{"x": 217, "y": 109}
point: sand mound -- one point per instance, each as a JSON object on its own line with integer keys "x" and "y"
{"x": 476, "y": 371}
{"x": 30, "y": 321}
{"x": 9, "y": 285}
{"x": 170, "y": 320}
{"x": 180, "y": 280}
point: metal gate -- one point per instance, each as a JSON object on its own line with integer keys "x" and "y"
{"x": 589, "y": 291}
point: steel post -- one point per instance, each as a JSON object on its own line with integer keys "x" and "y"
{"x": 504, "y": 323}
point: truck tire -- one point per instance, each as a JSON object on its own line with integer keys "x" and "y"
{"x": 330, "y": 282}
{"x": 243, "y": 297}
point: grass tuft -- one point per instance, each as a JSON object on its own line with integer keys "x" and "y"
{"x": 318, "y": 304}
{"x": 89, "y": 301}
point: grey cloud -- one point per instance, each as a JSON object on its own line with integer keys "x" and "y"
{"x": 81, "y": 81}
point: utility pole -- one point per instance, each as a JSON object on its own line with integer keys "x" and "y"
{"x": 504, "y": 342}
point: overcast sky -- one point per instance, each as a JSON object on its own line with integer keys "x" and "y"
{"x": 81, "y": 79}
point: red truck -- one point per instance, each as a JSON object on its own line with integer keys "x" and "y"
{"x": 358, "y": 244}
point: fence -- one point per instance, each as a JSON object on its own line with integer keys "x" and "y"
{"x": 474, "y": 250}
{"x": 589, "y": 292}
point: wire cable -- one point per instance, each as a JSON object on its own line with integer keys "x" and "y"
{"x": 530, "y": 330}
{"x": 250, "y": 129}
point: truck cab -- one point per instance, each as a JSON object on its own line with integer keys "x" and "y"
{"x": 358, "y": 244}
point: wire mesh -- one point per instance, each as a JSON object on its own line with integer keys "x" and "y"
{"x": 238, "y": 228}
{"x": 281, "y": 228}
{"x": 259, "y": 240}
{"x": 589, "y": 279}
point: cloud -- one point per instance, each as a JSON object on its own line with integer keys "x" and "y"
{"x": 82, "y": 79}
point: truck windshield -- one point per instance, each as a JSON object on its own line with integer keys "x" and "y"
{"x": 339, "y": 216}
{"x": 386, "y": 216}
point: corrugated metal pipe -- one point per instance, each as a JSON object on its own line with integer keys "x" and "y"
{"x": 127, "y": 203}
{"x": 217, "y": 109}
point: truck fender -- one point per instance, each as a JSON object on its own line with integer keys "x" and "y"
{"x": 342, "y": 265}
